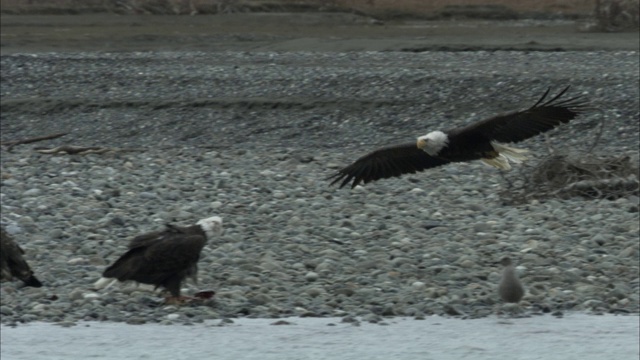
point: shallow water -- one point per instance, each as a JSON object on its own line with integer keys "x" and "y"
{"x": 576, "y": 336}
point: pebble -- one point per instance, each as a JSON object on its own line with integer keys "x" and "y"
{"x": 418, "y": 245}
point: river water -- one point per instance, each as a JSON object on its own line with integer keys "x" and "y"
{"x": 575, "y": 336}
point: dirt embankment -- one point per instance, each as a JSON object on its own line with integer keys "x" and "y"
{"x": 380, "y": 9}
{"x": 294, "y": 32}
{"x": 312, "y": 25}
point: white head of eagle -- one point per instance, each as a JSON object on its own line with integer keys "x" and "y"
{"x": 433, "y": 142}
{"x": 211, "y": 226}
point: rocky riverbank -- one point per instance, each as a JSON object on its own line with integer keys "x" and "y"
{"x": 251, "y": 136}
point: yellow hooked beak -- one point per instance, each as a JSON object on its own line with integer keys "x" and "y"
{"x": 421, "y": 143}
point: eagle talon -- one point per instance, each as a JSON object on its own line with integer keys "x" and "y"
{"x": 179, "y": 300}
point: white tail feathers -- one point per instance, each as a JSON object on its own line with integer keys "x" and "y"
{"x": 500, "y": 162}
{"x": 513, "y": 154}
{"x": 506, "y": 154}
{"x": 104, "y": 283}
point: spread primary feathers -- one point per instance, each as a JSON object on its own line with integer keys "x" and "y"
{"x": 477, "y": 141}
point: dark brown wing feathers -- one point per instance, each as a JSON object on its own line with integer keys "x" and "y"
{"x": 161, "y": 258}
{"x": 513, "y": 127}
{"x": 385, "y": 163}
{"x": 170, "y": 230}
{"x": 521, "y": 125}
{"x": 12, "y": 263}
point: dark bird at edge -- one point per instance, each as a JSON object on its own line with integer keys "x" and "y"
{"x": 12, "y": 264}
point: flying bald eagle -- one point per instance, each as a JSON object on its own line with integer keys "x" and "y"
{"x": 163, "y": 258}
{"x": 12, "y": 264}
{"x": 478, "y": 141}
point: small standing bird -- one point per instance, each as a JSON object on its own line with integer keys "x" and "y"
{"x": 510, "y": 288}
{"x": 482, "y": 140}
{"x": 12, "y": 264}
{"x": 163, "y": 258}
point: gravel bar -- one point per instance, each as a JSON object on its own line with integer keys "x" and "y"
{"x": 252, "y": 136}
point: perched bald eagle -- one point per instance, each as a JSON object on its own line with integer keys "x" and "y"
{"x": 12, "y": 264}
{"x": 163, "y": 258}
{"x": 478, "y": 141}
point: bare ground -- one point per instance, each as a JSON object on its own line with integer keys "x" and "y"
{"x": 294, "y": 32}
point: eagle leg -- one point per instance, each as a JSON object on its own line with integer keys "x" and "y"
{"x": 174, "y": 297}
{"x": 178, "y": 300}
{"x": 182, "y": 299}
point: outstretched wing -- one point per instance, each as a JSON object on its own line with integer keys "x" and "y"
{"x": 521, "y": 125}
{"x": 386, "y": 162}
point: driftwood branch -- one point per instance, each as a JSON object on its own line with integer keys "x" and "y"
{"x": 597, "y": 188}
{"x": 11, "y": 144}
{"x": 81, "y": 150}
{"x": 589, "y": 177}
